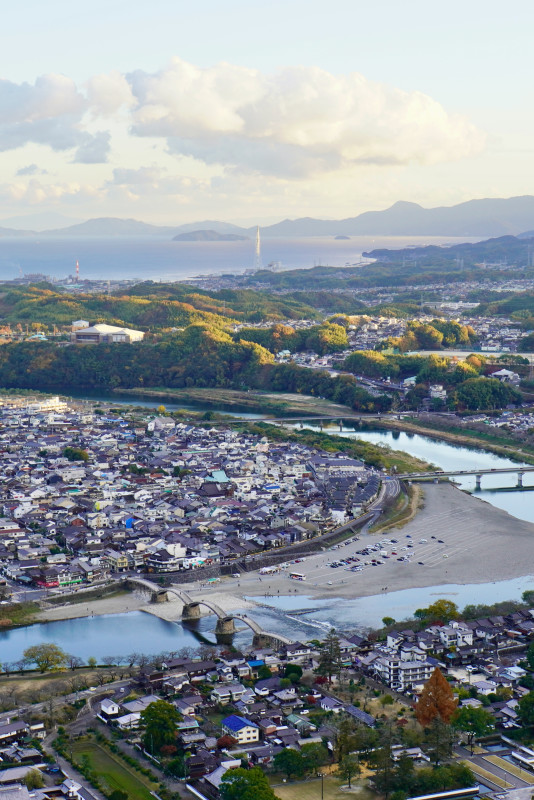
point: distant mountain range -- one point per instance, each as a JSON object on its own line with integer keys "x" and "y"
{"x": 474, "y": 218}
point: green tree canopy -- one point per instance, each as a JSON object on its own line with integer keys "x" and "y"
{"x": 290, "y": 762}
{"x": 47, "y": 657}
{"x": 330, "y": 656}
{"x": 159, "y": 720}
{"x": 246, "y": 784}
{"x": 349, "y": 768}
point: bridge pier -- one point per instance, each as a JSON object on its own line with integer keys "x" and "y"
{"x": 225, "y": 626}
{"x": 160, "y": 597}
{"x": 340, "y": 425}
{"x": 520, "y": 480}
{"x": 478, "y": 479}
{"x": 192, "y": 611}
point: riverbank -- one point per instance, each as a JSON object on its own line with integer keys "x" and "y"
{"x": 468, "y": 541}
{"x": 137, "y": 601}
{"x": 459, "y": 436}
{"x": 458, "y": 538}
{"x": 277, "y": 403}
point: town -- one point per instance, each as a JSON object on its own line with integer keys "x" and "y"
{"x": 96, "y": 498}
{"x": 88, "y": 494}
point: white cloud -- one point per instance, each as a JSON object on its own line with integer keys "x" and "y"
{"x": 93, "y": 148}
{"x": 31, "y": 169}
{"x": 108, "y": 93}
{"x": 153, "y": 180}
{"x": 49, "y": 112}
{"x": 35, "y": 192}
{"x": 296, "y": 123}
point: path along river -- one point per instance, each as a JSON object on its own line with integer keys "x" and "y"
{"x": 136, "y": 631}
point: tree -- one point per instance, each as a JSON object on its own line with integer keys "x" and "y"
{"x": 92, "y": 662}
{"x": 348, "y": 768}
{"x": 387, "y": 621}
{"x": 436, "y": 700}
{"x": 159, "y": 720}
{"x": 525, "y": 709}
{"x": 315, "y": 755}
{"x": 442, "y": 610}
{"x": 176, "y": 767}
{"x": 473, "y": 721}
{"x": 383, "y": 759}
{"x": 74, "y": 662}
{"x": 439, "y": 737}
{"x": 264, "y": 673}
{"x": 290, "y": 762}
{"x": 75, "y": 454}
{"x": 293, "y": 672}
{"x": 226, "y": 742}
{"x": 246, "y": 784}
{"x": 47, "y": 657}
{"x": 34, "y": 780}
{"x": 530, "y": 653}
{"x": 330, "y": 657}
{"x": 118, "y": 794}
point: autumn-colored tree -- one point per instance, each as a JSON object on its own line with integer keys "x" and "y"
{"x": 226, "y": 742}
{"x": 436, "y": 702}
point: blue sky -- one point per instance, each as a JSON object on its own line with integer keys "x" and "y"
{"x": 173, "y": 111}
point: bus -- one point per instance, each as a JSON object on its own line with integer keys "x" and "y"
{"x": 297, "y": 576}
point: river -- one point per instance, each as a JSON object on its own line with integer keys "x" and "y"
{"x": 147, "y": 401}
{"x": 498, "y": 490}
{"x": 138, "y": 631}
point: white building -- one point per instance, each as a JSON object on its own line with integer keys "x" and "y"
{"x": 105, "y": 334}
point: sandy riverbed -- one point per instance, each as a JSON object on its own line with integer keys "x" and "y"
{"x": 467, "y": 541}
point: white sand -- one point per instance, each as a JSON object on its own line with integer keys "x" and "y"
{"x": 481, "y": 544}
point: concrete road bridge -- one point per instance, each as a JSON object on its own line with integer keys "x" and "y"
{"x": 520, "y": 471}
{"x": 225, "y": 622}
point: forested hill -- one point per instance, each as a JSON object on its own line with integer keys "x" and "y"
{"x": 512, "y": 248}
{"x": 198, "y": 356}
{"x": 147, "y": 306}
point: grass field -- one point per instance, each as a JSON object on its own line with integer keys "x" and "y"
{"x": 488, "y": 777}
{"x": 112, "y": 772}
{"x": 523, "y": 774}
{"x": 311, "y": 790}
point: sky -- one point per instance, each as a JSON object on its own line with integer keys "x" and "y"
{"x": 171, "y": 111}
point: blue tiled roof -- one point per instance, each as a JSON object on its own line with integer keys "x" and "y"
{"x": 236, "y": 723}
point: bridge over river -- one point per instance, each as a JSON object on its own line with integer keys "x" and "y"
{"x": 520, "y": 471}
{"x": 225, "y": 622}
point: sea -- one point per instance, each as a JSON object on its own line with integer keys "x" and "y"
{"x": 153, "y": 258}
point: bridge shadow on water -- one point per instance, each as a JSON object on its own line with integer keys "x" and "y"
{"x": 192, "y": 625}
{"x": 497, "y": 489}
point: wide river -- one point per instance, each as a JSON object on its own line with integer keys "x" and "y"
{"x": 137, "y": 631}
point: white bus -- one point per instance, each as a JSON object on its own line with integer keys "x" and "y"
{"x": 297, "y": 576}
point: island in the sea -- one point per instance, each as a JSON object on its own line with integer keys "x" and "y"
{"x": 341, "y": 236}
{"x": 209, "y": 236}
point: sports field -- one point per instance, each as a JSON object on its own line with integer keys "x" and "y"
{"x": 311, "y": 790}
{"x": 113, "y": 772}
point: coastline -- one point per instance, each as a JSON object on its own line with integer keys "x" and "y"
{"x": 482, "y": 544}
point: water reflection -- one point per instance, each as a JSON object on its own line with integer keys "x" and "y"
{"x": 452, "y": 456}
